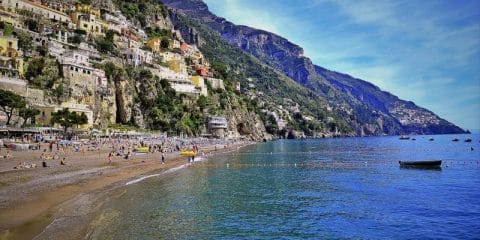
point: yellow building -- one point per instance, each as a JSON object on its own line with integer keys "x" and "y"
{"x": 199, "y": 83}
{"x": 154, "y": 44}
{"x": 37, "y": 8}
{"x": 11, "y": 59}
{"x": 88, "y": 10}
{"x": 89, "y": 23}
{"x": 45, "y": 116}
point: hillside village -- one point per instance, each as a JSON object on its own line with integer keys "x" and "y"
{"x": 82, "y": 56}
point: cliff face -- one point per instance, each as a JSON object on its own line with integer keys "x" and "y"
{"x": 363, "y": 105}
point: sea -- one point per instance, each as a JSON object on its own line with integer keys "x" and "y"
{"x": 340, "y": 188}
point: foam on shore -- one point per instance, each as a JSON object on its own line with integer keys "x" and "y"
{"x": 200, "y": 159}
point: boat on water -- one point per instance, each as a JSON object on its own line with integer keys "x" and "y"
{"x": 404, "y": 137}
{"x": 413, "y": 139}
{"x": 431, "y": 139}
{"x": 468, "y": 140}
{"x": 455, "y": 140}
{"x": 421, "y": 164}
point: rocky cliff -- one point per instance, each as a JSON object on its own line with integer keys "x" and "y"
{"x": 368, "y": 109}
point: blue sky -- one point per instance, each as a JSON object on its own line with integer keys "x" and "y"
{"x": 424, "y": 51}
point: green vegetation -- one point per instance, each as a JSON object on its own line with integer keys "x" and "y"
{"x": 106, "y": 44}
{"x": 157, "y": 32}
{"x": 140, "y": 10}
{"x": 42, "y": 72}
{"x": 24, "y": 41}
{"x": 10, "y": 102}
{"x": 28, "y": 113}
{"x": 7, "y": 30}
{"x": 67, "y": 119}
{"x": 86, "y": 2}
{"x": 32, "y": 24}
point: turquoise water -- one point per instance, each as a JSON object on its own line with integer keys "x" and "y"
{"x": 284, "y": 190}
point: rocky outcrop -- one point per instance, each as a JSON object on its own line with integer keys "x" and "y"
{"x": 247, "y": 124}
{"x": 123, "y": 98}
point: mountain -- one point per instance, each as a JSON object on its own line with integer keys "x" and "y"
{"x": 364, "y": 106}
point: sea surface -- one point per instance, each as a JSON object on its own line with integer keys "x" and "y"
{"x": 343, "y": 188}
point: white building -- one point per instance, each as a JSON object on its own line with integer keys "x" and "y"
{"x": 55, "y": 49}
{"x": 99, "y": 78}
{"x": 216, "y": 83}
{"x": 115, "y": 23}
{"x": 137, "y": 57}
{"x": 180, "y": 82}
{"x": 77, "y": 57}
{"x": 217, "y": 126}
{"x": 37, "y": 8}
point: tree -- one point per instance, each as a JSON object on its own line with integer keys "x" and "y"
{"x": 32, "y": 25}
{"x": 28, "y": 113}
{"x": 7, "y": 30}
{"x": 81, "y": 119}
{"x": 24, "y": 41}
{"x": 67, "y": 119}
{"x": 9, "y": 102}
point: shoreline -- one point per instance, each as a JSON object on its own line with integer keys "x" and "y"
{"x": 31, "y": 209}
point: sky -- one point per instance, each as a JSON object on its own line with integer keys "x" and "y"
{"x": 427, "y": 52}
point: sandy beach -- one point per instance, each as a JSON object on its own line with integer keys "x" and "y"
{"x": 58, "y": 201}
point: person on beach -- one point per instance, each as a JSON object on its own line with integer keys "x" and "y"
{"x": 43, "y": 156}
{"x": 62, "y": 162}
{"x": 7, "y": 154}
{"x": 163, "y": 158}
{"x": 110, "y": 155}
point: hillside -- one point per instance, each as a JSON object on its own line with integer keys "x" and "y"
{"x": 366, "y": 108}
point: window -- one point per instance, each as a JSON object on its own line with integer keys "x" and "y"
{"x": 84, "y": 71}
{"x": 76, "y": 69}
{"x": 71, "y": 68}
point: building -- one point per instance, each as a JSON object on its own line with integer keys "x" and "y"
{"x": 173, "y": 44}
{"x": 87, "y": 9}
{"x": 89, "y": 23}
{"x": 137, "y": 57}
{"x": 56, "y": 49}
{"x": 181, "y": 83}
{"x": 199, "y": 82}
{"x": 45, "y": 116}
{"x": 155, "y": 44}
{"x": 215, "y": 83}
{"x": 114, "y": 23}
{"x": 217, "y": 126}
{"x": 202, "y": 71}
{"x": 237, "y": 86}
{"x": 10, "y": 18}
{"x": 100, "y": 80}
{"x": 37, "y": 8}
{"x": 76, "y": 69}
{"x": 11, "y": 60}
{"x": 77, "y": 57}
{"x": 60, "y": 5}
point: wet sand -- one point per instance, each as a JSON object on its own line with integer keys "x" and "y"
{"x": 58, "y": 202}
